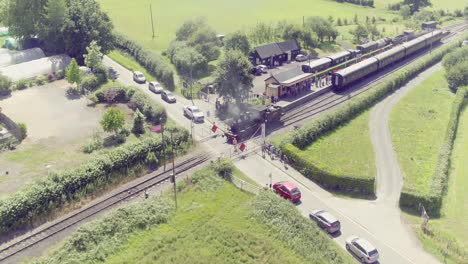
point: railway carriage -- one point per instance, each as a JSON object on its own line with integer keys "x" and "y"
{"x": 368, "y": 47}
{"x": 317, "y": 65}
{"x": 414, "y": 45}
{"x": 388, "y": 57}
{"x": 340, "y": 57}
{"x": 354, "y": 72}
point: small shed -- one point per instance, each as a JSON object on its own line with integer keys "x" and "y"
{"x": 8, "y": 59}
{"x": 35, "y": 68}
{"x": 428, "y": 26}
{"x": 10, "y": 43}
{"x": 287, "y": 82}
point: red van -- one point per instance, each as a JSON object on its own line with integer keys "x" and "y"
{"x": 288, "y": 191}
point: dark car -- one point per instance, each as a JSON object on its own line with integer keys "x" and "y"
{"x": 288, "y": 191}
{"x": 256, "y": 71}
{"x": 325, "y": 220}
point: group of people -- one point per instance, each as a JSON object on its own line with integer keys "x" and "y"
{"x": 272, "y": 151}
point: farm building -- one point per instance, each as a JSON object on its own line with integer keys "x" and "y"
{"x": 11, "y": 58}
{"x": 287, "y": 82}
{"x": 275, "y": 54}
{"x": 35, "y": 68}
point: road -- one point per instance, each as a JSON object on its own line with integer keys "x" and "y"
{"x": 368, "y": 219}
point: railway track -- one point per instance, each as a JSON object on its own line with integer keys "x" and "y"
{"x": 331, "y": 99}
{"x": 100, "y": 206}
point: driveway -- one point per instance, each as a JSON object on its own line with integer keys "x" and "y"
{"x": 381, "y": 225}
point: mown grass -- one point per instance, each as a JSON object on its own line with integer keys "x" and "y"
{"x": 128, "y": 62}
{"x": 345, "y": 151}
{"x": 417, "y": 125}
{"x": 452, "y": 228}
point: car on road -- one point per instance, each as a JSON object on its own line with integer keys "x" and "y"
{"x": 168, "y": 96}
{"x": 363, "y": 249}
{"x": 465, "y": 43}
{"x": 325, "y": 220}
{"x": 256, "y": 71}
{"x": 262, "y": 68}
{"x": 194, "y": 113}
{"x": 301, "y": 57}
{"x": 155, "y": 87}
{"x": 139, "y": 77}
{"x": 288, "y": 191}
{"x": 113, "y": 74}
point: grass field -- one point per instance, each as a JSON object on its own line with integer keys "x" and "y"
{"x": 346, "y": 151}
{"x": 417, "y": 125}
{"x": 214, "y": 223}
{"x": 453, "y": 225}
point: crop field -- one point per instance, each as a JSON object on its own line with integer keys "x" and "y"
{"x": 418, "y": 124}
{"x": 215, "y": 223}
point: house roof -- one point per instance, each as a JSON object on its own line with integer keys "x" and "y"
{"x": 289, "y": 45}
{"x": 269, "y": 50}
{"x": 289, "y": 76}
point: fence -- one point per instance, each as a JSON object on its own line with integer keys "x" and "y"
{"x": 243, "y": 185}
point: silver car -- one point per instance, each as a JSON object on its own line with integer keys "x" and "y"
{"x": 363, "y": 249}
{"x": 168, "y": 96}
{"x": 139, "y": 77}
{"x": 325, "y": 220}
{"x": 155, "y": 87}
{"x": 194, "y": 113}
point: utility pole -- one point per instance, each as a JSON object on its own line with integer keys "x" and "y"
{"x": 163, "y": 143}
{"x": 151, "y": 14}
{"x": 432, "y": 36}
{"x": 191, "y": 77}
{"x": 173, "y": 170}
{"x": 303, "y": 21}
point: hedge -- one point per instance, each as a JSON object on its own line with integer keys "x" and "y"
{"x": 410, "y": 198}
{"x": 153, "y": 63}
{"x": 57, "y": 188}
{"x": 306, "y": 135}
{"x": 347, "y": 183}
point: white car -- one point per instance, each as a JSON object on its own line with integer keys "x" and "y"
{"x": 301, "y": 57}
{"x": 139, "y": 77}
{"x": 168, "y": 96}
{"x": 363, "y": 249}
{"x": 263, "y": 68}
{"x": 194, "y": 113}
{"x": 465, "y": 43}
{"x": 155, "y": 87}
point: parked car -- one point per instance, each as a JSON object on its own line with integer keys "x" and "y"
{"x": 168, "y": 96}
{"x": 113, "y": 74}
{"x": 256, "y": 71}
{"x": 263, "y": 68}
{"x": 155, "y": 87}
{"x": 139, "y": 77}
{"x": 85, "y": 70}
{"x": 194, "y": 113}
{"x": 465, "y": 43}
{"x": 363, "y": 249}
{"x": 288, "y": 191}
{"x": 325, "y": 220}
{"x": 301, "y": 57}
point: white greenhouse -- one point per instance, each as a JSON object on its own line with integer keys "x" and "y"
{"x": 11, "y": 58}
{"x": 31, "y": 69}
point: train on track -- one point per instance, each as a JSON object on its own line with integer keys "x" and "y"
{"x": 342, "y": 78}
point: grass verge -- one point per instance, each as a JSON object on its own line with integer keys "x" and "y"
{"x": 418, "y": 124}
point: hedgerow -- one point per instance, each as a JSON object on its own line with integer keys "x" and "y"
{"x": 95, "y": 241}
{"x": 411, "y": 198}
{"x": 152, "y": 62}
{"x": 301, "y": 235}
{"x": 57, "y": 188}
{"x": 304, "y": 136}
{"x": 347, "y": 183}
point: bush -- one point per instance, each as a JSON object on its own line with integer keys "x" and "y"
{"x": 90, "y": 82}
{"x": 60, "y": 75}
{"x": 22, "y": 84}
{"x": 40, "y": 80}
{"x": 23, "y": 129}
{"x": 55, "y": 189}
{"x": 153, "y": 63}
{"x": 410, "y": 199}
{"x": 5, "y": 85}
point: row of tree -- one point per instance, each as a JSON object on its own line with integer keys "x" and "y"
{"x": 364, "y": 31}
{"x": 62, "y": 26}
{"x": 455, "y": 65}
{"x": 358, "y": 2}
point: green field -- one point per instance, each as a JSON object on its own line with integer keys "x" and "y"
{"x": 345, "y": 151}
{"x": 418, "y": 124}
{"x": 453, "y": 225}
{"x": 215, "y": 223}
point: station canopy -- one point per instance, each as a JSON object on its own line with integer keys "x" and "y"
{"x": 11, "y": 58}
{"x": 35, "y": 68}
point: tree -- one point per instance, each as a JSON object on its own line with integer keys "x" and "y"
{"x": 405, "y": 11}
{"x": 24, "y": 17}
{"x": 322, "y": 28}
{"x": 359, "y": 33}
{"x": 355, "y": 19}
{"x": 55, "y": 17}
{"x": 373, "y": 20}
{"x": 94, "y": 56}
{"x": 456, "y": 75}
{"x": 455, "y": 57}
{"x": 113, "y": 120}
{"x": 338, "y": 22}
{"x": 87, "y": 22}
{"x": 189, "y": 27}
{"x": 190, "y": 63}
{"x": 73, "y": 73}
{"x": 331, "y": 19}
{"x": 345, "y": 21}
{"x": 373, "y": 31}
{"x": 204, "y": 40}
{"x": 175, "y": 47}
{"x": 237, "y": 41}
{"x": 416, "y": 5}
{"x": 138, "y": 123}
{"x": 232, "y": 77}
